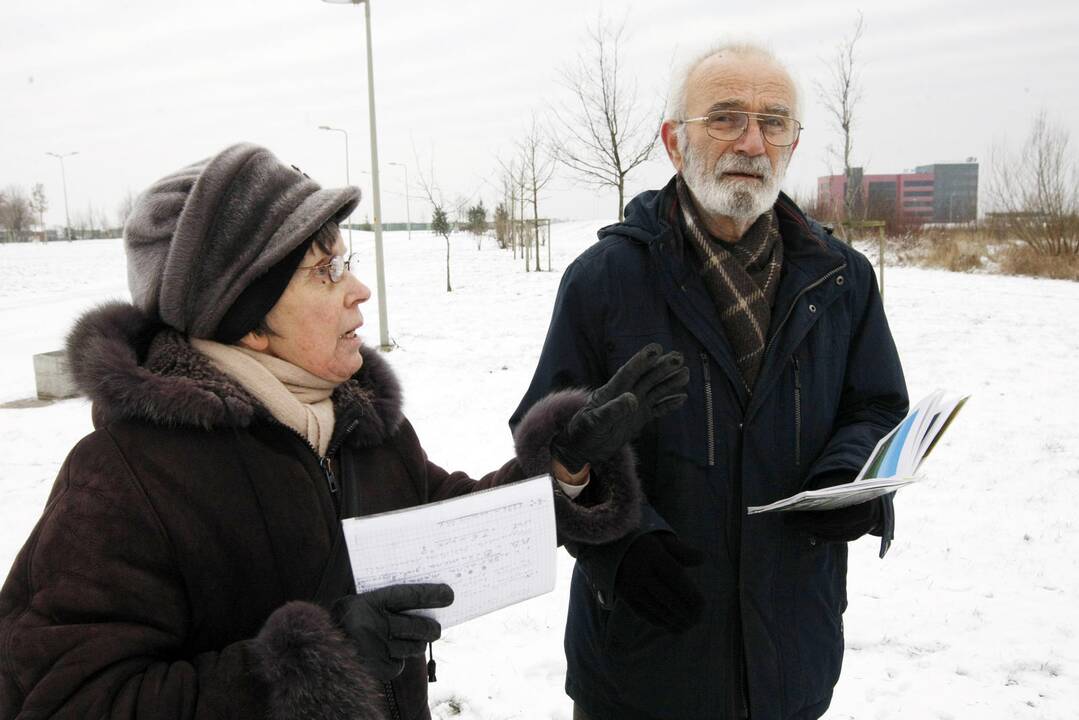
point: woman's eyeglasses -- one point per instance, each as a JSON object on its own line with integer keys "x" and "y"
{"x": 333, "y": 269}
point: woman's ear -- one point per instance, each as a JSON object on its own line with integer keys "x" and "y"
{"x": 255, "y": 340}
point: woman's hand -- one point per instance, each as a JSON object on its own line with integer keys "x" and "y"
{"x": 383, "y": 634}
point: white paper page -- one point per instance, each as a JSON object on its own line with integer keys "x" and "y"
{"x": 946, "y": 410}
{"x": 926, "y": 409}
{"x": 494, "y": 548}
{"x": 837, "y": 496}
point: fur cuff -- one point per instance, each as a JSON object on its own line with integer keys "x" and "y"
{"x": 311, "y": 669}
{"x": 616, "y": 507}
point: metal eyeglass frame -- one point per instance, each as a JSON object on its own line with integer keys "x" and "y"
{"x": 335, "y": 268}
{"x": 705, "y": 118}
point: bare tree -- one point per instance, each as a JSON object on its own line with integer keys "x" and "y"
{"x": 515, "y": 175}
{"x": 1035, "y": 191}
{"x": 520, "y": 182}
{"x": 538, "y": 164}
{"x": 123, "y": 210}
{"x": 440, "y": 224}
{"x": 39, "y": 204}
{"x": 509, "y": 194}
{"x": 840, "y": 95}
{"x": 85, "y": 222}
{"x": 104, "y": 222}
{"x": 15, "y": 211}
{"x": 604, "y": 132}
{"x": 515, "y": 182}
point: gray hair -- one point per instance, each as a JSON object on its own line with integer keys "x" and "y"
{"x": 676, "y": 99}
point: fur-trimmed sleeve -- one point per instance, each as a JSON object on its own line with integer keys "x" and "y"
{"x": 311, "y": 669}
{"x": 608, "y": 508}
{"x": 611, "y": 504}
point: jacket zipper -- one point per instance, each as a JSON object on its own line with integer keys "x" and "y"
{"x": 797, "y": 413}
{"x": 324, "y": 462}
{"x": 709, "y": 418}
{"x": 391, "y": 699}
{"x": 818, "y": 283}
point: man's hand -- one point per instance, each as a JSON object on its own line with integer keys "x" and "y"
{"x": 648, "y": 386}
{"x": 384, "y": 635}
{"x": 844, "y": 524}
{"x": 653, "y": 582}
{"x": 840, "y": 525}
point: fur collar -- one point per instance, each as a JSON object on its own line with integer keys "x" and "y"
{"x": 134, "y": 368}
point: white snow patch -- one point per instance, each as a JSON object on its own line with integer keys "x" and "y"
{"x": 971, "y": 615}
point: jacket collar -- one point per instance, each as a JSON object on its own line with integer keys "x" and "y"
{"x": 807, "y": 260}
{"x": 134, "y": 368}
{"x": 804, "y": 247}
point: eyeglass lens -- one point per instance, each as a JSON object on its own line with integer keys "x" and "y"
{"x": 338, "y": 265}
{"x": 731, "y": 124}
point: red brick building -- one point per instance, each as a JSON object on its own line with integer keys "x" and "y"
{"x": 941, "y": 193}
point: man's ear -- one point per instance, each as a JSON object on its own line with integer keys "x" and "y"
{"x": 669, "y": 133}
{"x": 255, "y": 340}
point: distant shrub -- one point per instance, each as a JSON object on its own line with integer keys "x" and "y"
{"x": 958, "y": 254}
{"x": 1025, "y": 260}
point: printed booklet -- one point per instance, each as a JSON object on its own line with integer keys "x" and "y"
{"x": 893, "y": 462}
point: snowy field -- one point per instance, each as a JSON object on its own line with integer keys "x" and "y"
{"x": 975, "y": 611}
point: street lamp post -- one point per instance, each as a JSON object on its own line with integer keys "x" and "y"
{"x": 347, "y": 180}
{"x": 408, "y": 211}
{"x": 383, "y": 322}
{"x": 63, "y": 177}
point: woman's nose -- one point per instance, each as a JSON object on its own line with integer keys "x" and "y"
{"x": 357, "y": 291}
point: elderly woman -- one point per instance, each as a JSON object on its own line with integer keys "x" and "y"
{"x": 190, "y": 562}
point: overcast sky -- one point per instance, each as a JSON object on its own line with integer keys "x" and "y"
{"x": 142, "y": 88}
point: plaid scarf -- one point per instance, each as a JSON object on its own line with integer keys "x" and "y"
{"x": 741, "y": 277}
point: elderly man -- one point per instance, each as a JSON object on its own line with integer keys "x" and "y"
{"x": 703, "y": 611}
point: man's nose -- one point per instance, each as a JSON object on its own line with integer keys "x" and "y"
{"x": 752, "y": 141}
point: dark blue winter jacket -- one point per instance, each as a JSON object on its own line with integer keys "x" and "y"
{"x": 830, "y": 386}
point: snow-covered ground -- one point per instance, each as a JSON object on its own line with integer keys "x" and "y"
{"x": 973, "y": 614}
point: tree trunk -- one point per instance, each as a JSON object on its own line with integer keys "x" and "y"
{"x": 549, "y": 266}
{"x": 449, "y": 288}
{"x": 513, "y": 225}
{"x": 535, "y": 224}
{"x": 526, "y": 246}
{"x": 621, "y": 200}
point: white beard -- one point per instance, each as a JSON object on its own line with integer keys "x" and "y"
{"x": 739, "y": 199}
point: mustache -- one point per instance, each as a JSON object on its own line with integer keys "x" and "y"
{"x": 730, "y": 163}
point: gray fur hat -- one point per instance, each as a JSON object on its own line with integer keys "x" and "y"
{"x": 201, "y": 235}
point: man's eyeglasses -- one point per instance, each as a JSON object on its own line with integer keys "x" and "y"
{"x": 729, "y": 125}
{"x": 333, "y": 269}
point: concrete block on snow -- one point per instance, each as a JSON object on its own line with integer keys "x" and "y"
{"x": 52, "y": 371}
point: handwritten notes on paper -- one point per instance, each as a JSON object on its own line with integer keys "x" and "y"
{"x": 494, "y": 548}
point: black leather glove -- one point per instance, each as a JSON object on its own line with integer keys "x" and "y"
{"x": 841, "y": 524}
{"x": 652, "y": 580}
{"x": 648, "y": 386}
{"x": 383, "y": 634}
